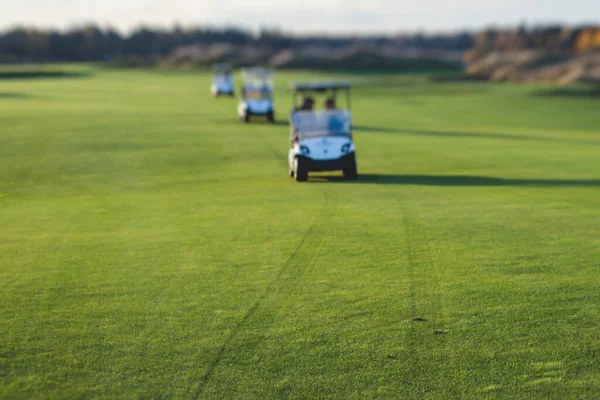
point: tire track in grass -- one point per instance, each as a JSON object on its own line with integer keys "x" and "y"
{"x": 321, "y": 236}
{"x": 425, "y": 288}
{"x": 321, "y": 239}
{"x": 407, "y": 250}
{"x": 294, "y": 265}
{"x": 412, "y": 342}
{"x": 436, "y": 275}
{"x": 411, "y": 265}
{"x": 432, "y": 276}
{"x": 433, "y": 279}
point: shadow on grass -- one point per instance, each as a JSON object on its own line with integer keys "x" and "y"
{"x": 33, "y": 74}
{"x": 401, "y": 90}
{"x": 263, "y": 121}
{"x": 574, "y": 93}
{"x": 456, "y": 180}
{"x": 280, "y": 123}
{"x": 476, "y": 135}
{"x": 253, "y": 121}
{"x": 11, "y": 95}
{"x": 416, "y": 67}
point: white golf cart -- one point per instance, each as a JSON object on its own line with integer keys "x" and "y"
{"x": 321, "y": 140}
{"x": 257, "y": 94}
{"x": 222, "y": 81}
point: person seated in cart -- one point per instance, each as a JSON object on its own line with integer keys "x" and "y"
{"x": 330, "y": 104}
{"x": 307, "y": 104}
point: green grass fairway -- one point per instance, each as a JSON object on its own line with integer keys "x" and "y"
{"x": 152, "y": 246}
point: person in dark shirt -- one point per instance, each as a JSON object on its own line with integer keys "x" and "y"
{"x": 307, "y": 104}
{"x": 330, "y": 104}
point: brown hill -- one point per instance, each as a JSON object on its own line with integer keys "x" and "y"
{"x": 556, "y": 54}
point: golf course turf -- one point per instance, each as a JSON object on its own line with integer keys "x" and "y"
{"x": 153, "y": 246}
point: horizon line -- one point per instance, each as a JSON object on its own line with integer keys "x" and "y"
{"x": 292, "y": 32}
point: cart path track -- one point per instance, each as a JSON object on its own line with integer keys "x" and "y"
{"x": 425, "y": 282}
{"x": 411, "y": 265}
{"x": 412, "y": 340}
{"x": 430, "y": 279}
{"x": 416, "y": 237}
{"x": 407, "y": 250}
{"x": 310, "y": 241}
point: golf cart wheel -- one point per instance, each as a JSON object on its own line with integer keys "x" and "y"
{"x": 271, "y": 116}
{"x": 300, "y": 171}
{"x": 350, "y": 171}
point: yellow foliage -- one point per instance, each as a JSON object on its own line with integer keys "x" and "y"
{"x": 589, "y": 39}
{"x": 583, "y": 41}
{"x": 596, "y": 40}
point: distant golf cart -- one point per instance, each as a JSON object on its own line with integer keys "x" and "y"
{"x": 257, "y": 94}
{"x": 222, "y": 81}
{"x": 321, "y": 140}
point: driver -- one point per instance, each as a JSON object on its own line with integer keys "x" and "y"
{"x": 307, "y": 104}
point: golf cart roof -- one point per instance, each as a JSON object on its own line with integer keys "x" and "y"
{"x": 318, "y": 86}
{"x": 257, "y": 73}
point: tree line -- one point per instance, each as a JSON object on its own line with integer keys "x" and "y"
{"x": 92, "y": 43}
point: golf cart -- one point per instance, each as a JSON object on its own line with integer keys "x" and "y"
{"x": 222, "y": 81}
{"x": 257, "y": 94}
{"x": 321, "y": 140}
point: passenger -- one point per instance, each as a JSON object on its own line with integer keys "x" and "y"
{"x": 330, "y": 104}
{"x": 265, "y": 90}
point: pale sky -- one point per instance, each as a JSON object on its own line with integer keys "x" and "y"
{"x": 300, "y": 16}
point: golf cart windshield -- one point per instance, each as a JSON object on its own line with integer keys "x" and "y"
{"x": 258, "y": 83}
{"x": 221, "y": 70}
{"x": 307, "y": 124}
{"x": 258, "y": 77}
{"x": 223, "y": 79}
